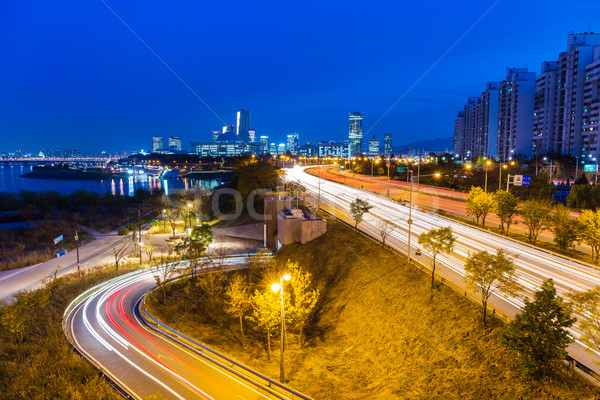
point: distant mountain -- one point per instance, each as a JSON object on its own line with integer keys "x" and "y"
{"x": 427, "y": 145}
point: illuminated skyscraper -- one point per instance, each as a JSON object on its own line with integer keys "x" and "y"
{"x": 292, "y": 143}
{"x": 373, "y": 147}
{"x": 157, "y": 143}
{"x": 387, "y": 144}
{"x": 355, "y": 133}
{"x": 215, "y": 135}
{"x": 252, "y": 135}
{"x": 243, "y": 125}
{"x": 174, "y": 143}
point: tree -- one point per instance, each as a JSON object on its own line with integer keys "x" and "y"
{"x": 584, "y": 197}
{"x": 171, "y": 216}
{"x": 479, "y": 204}
{"x": 149, "y": 250}
{"x": 165, "y": 271}
{"x": 119, "y": 252}
{"x": 303, "y": 298}
{"x": 437, "y": 241}
{"x": 385, "y": 229}
{"x": 491, "y": 274}
{"x": 16, "y": 317}
{"x": 266, "y": 312}
{"x": 564, "y": 227}
{"x": 253, "y": 175}
{"x": 296, "y": 189}
{"x": 194, "y": 246}
{"x": 587, "y": 304}
{"x": 237, "y": 302}
{"x": 27, "y": 212}
{"x": 589, "y": 223}
{"x": 260, "y": 261}
{"x": 536, "y": 216}
{"x": 539, "y": 333}
{"x": 507, "y": 206}
{"x": 358, "y": 208}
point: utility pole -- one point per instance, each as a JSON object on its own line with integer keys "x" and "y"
{"x": 140, "y": 233}
{"x": 409, "y": 216}
{"x": 77, "y": 245}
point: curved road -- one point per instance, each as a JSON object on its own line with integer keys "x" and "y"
{"x": 533, "y": 265}
{"x": 103, "y": 325}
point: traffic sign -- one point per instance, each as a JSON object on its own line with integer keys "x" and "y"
{"x": 400, "y": 169}
{"x": 589, "y": 168}
{"x": 61, "y": 253}
{"x": 518, "y": 180}
{"x": 58, "y": 239}
{"x": 526, "y": 180}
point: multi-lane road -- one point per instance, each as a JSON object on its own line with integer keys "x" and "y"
{"x": 105, "y": 327}
{"x": 534, "y": 265}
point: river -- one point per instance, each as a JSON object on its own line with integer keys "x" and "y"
{"x": 12, "y": 181}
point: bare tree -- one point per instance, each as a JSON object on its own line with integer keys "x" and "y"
{"x": 166, "y": 270}
{"x": 385, "y": 229}
{"x": 119, "y": 252}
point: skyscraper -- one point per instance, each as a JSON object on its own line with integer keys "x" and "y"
{"x": 243, "y": 124}
{"x": 215, "y": 135}
{"x": 387, "y": 144}
{"x": 544, "y": 110}
{"x": 459, "y": 134}
{"x": 174, "y": 143}
{"x": 264, "y": 142}
{"x": 157, "y": 143}
{"x": 374, "y": 147}
{"x": 252, "y": 135}
{"x": 292, "y": 142}
{"x": 355, "y": 132}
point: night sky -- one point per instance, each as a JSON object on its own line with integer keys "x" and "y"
{"x": 73, "y": 75}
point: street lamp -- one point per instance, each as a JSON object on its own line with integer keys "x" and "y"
{"x": 278, "y": 287}
{"x": 437, "y": 175}
{"x": 488, "y": 162}
{"x": 77, "y": 245}
{"x": 500, "y": 179}
{"x": 388, "y": 177}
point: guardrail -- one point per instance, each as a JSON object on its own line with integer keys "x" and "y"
{"x": 240, "y": 370}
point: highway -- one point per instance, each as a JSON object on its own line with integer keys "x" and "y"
{"x": 534, "y": 265}
{"x": 104, "y": 326}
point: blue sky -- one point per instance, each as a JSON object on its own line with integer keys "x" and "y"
{"x": 73, "y": 75}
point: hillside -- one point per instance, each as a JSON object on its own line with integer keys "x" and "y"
{"x": 380, "y": 332}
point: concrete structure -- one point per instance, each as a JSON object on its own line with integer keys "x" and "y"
{"x": 387, "y": 144}
{"x": 296, "y": 225}
{"x": 157, "y": 143}
{"x": 273, "y": 203}
{"x": 243, "y": 125}
{"x": 355, "y": 133}
{"x": 515, "y": 114}
{"x": 374, "y": 147}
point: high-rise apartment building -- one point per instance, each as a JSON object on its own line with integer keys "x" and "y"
{"x": 252, "y": 135}
{"x": 515, "y": 114}
{"x": 459, "y": 134}
{"x": 292, "y": 143}
{"x": 174, "y": 143}
{"x": 243, "y": 124}
{"x": 470, "y": 127}
{"x": 355, "y": 133}
{"x": 590, "y": 140}
{"x": 545, "y": 129}
{"x": 387, "y": 144}
{"x": 373, "y": 147}
{"x": 157, "y": 143}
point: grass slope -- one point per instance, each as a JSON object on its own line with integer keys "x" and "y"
{"x": 380, "y": 332}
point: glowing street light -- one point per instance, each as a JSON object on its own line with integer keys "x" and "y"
{"x": 487, "y": 163}
{"x": 278, "y": 287}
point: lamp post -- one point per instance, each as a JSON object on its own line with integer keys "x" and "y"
{"x": 488, "y": 162}
{"x": 189, "y": 214}
{"x": 77, "y": 246}
{"x": 500, "y": 179}
{"x": 278, "y": 287}
{"x": 388, "y": 177}
{"x": 437, "y": 175}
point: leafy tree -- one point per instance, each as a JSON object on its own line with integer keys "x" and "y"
{"x": 260, "y": 261}
{"x": 589, "y": 223}
{"x": 253, "y": 175}
{"x": 119, "y": 252}
{"x": 587, "y": 304}
{"x": 385, "y": 229}
{"x": 507, "y": 206}
{"x": 584, "y": 197}
{"x": 536, "y": 216}
{"x": 479, "y": 204}
{"x": 266, "y": 313}
{"x": 539, "y": 333}
{"x": 437, "y": 241}
{"x": 303, "y": 298}
{"x": 17, "y": 316}
{"x": 564, "y": 227}
{"x": 491, "y": 274}
{"x": 172, "y": 215}
{"x": 149, "y": 250}
{"x": 237, "y": 302}
{"x": 358, "y": 208}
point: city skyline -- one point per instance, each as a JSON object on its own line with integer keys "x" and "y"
{"x": 77, "y": 73}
